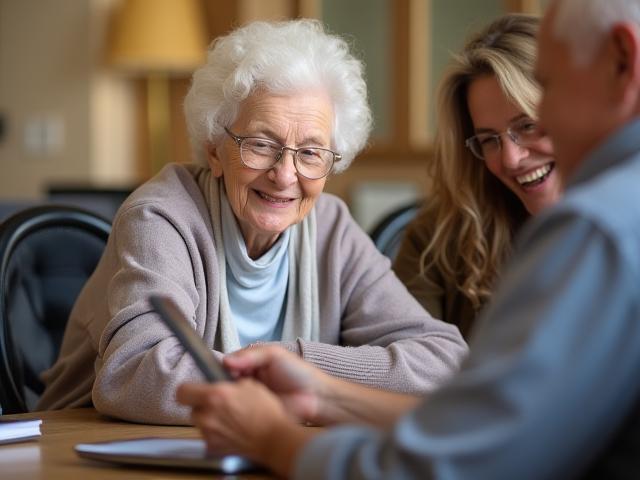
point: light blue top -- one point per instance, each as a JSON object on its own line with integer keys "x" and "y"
{"x": 554, "y": 367}
{"x": 257, "y": 289}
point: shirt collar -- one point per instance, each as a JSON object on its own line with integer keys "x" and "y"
{"x": 616, "y": 149}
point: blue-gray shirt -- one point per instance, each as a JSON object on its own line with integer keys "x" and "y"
{"x": 554, "y": 368}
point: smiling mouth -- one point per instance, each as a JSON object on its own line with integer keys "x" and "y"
{"x": 271, "y": 199}
{"x": 536, "y": 177}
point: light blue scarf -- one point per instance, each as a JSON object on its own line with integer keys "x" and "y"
{"x": 302, "y": 316}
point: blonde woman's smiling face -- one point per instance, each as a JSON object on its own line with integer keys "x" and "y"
{"x": 267, "y": 202}
{"x": 527, "y": 171}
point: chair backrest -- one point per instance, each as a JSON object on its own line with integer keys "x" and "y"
{"x": 46, "y": 255}
{"x": 387, "y": 234}
{"x": 103, "y": 201}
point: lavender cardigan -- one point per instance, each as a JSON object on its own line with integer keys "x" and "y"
{"x": 117, "y": 353}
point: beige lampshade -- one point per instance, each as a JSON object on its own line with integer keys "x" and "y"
{"x": 158, "y": 36}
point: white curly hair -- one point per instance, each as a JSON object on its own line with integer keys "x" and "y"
{"x": 280, "y": 57}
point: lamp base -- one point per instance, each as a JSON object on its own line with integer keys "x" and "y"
{"x": 158, "y": 121}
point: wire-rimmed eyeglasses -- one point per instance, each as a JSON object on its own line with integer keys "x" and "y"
{"x": 263, "y": 154}
{"x": 487, "y": 146}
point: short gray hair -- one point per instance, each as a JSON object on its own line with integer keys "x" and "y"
{"x": 583, "y": 23}
{"x": 281, "y": 57}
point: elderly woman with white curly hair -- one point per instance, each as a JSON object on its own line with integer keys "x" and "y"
{"x": 247, "y": 246}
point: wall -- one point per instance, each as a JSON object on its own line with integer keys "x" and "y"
{"x": 364, "y": 23}
{"x": 66, "y": 119}
{"x": 451, "y": 23}
{"x": 112, "y": 102}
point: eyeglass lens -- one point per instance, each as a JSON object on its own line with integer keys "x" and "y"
{"x": 486, "y": 146}
{"x": 261, "y": 154}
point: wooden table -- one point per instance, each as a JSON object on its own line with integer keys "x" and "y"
{"x": 52, "y": 456}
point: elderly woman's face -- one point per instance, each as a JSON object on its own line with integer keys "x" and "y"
{"x": 267, "y": 202}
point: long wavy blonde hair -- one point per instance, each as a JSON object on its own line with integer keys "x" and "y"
{"x": 475, "y": 214}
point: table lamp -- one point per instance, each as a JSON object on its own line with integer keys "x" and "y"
{"x": 157, "y": 39}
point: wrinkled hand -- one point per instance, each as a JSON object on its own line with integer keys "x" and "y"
{"x": 297, "y": 384}
{"x": 241, "y": 417}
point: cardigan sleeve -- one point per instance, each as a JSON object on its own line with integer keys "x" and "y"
{"x": 386, "y": 339}
{"x": 140, "y": 363}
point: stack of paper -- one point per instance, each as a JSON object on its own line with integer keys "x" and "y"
{"x": 18, "y": 430}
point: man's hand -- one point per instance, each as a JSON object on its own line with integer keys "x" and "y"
{"x": 245, "y": 418}
{"x": 233, "y": 417}
{"x": 299, "y": 385}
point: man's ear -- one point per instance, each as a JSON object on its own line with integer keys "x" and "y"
{"x": 625, "y": 43}
{"x": 213, "y": 160}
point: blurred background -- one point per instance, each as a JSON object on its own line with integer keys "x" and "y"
{"x": 91, "y": 91}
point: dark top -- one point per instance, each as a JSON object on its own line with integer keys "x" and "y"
{"x": 442, "y": 299}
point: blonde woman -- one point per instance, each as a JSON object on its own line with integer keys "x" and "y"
{"x": 492, "y": 168}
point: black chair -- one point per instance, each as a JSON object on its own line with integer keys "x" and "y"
{"x": 46, "y": 255}
{"x": 10, "y": 207}
{"x": 387, "y": 234}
